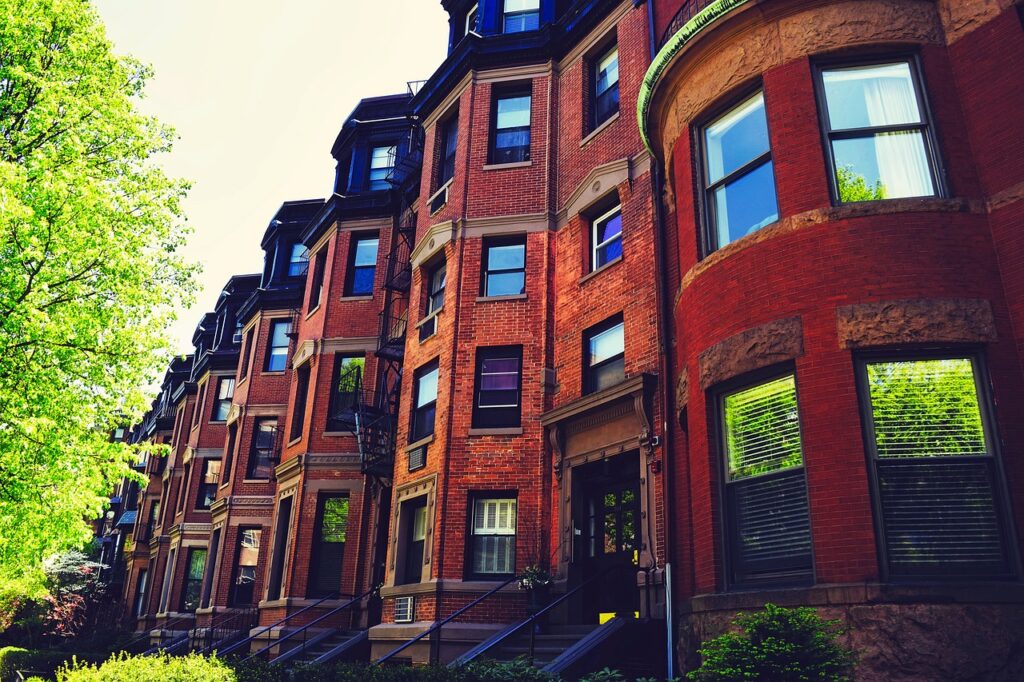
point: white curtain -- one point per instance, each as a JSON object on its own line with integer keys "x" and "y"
{"x": 902, "y": 162}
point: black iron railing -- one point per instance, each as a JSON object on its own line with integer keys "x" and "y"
{"x": 230, "y": 627}
{"x": 689, "y": 10}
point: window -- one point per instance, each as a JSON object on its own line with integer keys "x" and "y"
{"x": 739, "y": 181}
{"x": 211, "y": 564}
{"x": 299, "y": 407}
{"x": 382, "y": 162}
{"x": 328, "y": 545}
{"x": 511, "y": 127}
{"x": 197, "y": 405}
{"x": 154, "y": 519}
{"x": 362, "y": 266}
{"x": 424, "y": 401}
{"x": 437, "y": 278}
{"x": 504, "y": 266}
{"x": 936, "y": 478}
{"x": 348, "y": 377}
{"x": 472, "y": 19}
{"x": 605, "y": 353}
{"x": 222, "y": 405}
{"x": 195, "y": 565}
{"x": 140, "y": 593}
{"x": 208, "y": 483}
{"x": 493, "y": 537}
{"x": 183, "y": 486}
{"x": 605, "y": 87}
{"x": 413, "y": 538}
{"x": 243, "y": 369}
{"x": 449, "y": 143}
{"x": 264, "y": 446}
{"x": 497, "y": 401}
{"x": 316, "y": 284}
{"x": 521, "y": 15}
{"x": 281, "y": 533}
{"x": 244, "y": 582}
{"x": 277, "y": 353}
{"x": 606, "y": 238}
{"x": 298, "y": 260}
{"x": 229, "y": 454}
{"x": 768, "y": 524}
{"x": 879, "y": 141}
{"x": 165, "y": 591}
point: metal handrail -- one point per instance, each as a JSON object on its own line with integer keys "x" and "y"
{"x": 305, "y": 628}
{"x": 148, "y": 633}
{"x": 278, "y": 623}
{"x": 442, "y": 623}
{"x": 246, "y": 614}
{"x": 501, "y": 636}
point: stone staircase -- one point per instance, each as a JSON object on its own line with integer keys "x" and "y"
{"x": 326, "y": 646}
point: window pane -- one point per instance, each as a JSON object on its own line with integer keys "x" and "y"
{"x": 762, "y": 429}
{"x": 606, "y": 71}
{"x": 335, "y": 520}
{"x": 607, "y": 344}
{"x": 521, "y": 5}
{"x": 746, "y": 204}
{"x": 249, "y": 552}
{"x": 514, "y": 112}
{"x": 362, "y": 280}
{"x": 427, "y": 389}
{"x": 926, "y": 408}
{"x": 279, "y": 335}
{"x": 883, "y": 166}
{"x": 506, "y": 284}
{"x": 867, "y": 96}
{"x": 366, "y": 252}
{"x": 607, "y": 375}
{"x": 736, "y": 138}
{"x": 298, "y": 261}
{"x": 382, "y": 157}
{"x": 609, "y": 228}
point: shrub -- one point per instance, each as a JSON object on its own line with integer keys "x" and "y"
{"x": 485, "y": 671}
{"x": 777, "y": 644}
{"x": 159, "y": 668}
{"x": 46, "y": 662}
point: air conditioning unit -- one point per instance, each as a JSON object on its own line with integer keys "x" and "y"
{"x": 405, "y": 609}
{"x": 418, "y": 458}
{"x": 439, "y": 199}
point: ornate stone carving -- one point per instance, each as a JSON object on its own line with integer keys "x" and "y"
{"x": 952, "y": 320}
{"x": 752, "y": 349}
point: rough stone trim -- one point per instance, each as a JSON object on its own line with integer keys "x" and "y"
{"x": 921, "y": 320}
{"x": 752, "y": 349}
{"x": 682, "y": 390}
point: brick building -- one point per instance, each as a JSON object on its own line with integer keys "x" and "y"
{"x": 759, "y": 342}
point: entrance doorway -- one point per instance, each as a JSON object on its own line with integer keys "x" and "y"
{"x": 607, "y": 536}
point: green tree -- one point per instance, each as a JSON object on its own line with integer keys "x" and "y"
{"x": 89, "y": 275}
{"x": 854, "y": 187}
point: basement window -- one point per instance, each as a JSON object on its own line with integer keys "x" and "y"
{"x": 493, "y": 537}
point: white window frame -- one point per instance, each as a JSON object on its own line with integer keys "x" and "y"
{"x": 594, "y": 232}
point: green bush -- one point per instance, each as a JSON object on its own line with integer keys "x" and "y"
{"x": 45, "y": 662}
{"x": 160, "y": 668}
{"x": 777, "y": 645}
{"x": 485, "y": 671}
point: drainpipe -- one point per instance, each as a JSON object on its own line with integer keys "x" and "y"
{"x": 664, "y": 332}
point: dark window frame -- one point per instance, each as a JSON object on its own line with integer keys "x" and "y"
{"x": 341, "y": 409}
{"x": 708, "y": 238}
{"x": 230, "y": 444}
{"x": 593, "y": 117}
{"x": 471, "y": 536}
{"x": 237, "y": 566}
{"x": 449, "y": 137}
{"x": 188, "y": 581}
{"x": 316, "y": 545}
{"x": 204, "y": 489}
{"x": 316, "y": 282}
{"x": 590, "y": 370}
{"x": 252, "y": 465}
{"x": 300, "y": 266}
{"x": 247, "y": 344}
{"x": 522, "y": 13}
{"x": 936, "y": 166}
{"x": 415, "y": 412}
{"x": 286, "y": 323}
{"x": 492, "y": 242}
{"x": 219, "y": 402}
{"x": 497, "y": 417}
{"x": 350, "y": 271}
{"x": 393, "y": 159}
{"x": 303, "y": 385}
{"x": 726, "y": 537}
{"x": 523, "y": 155}
{"x": 987, "y": 409}
{"x": 434, "y": 293}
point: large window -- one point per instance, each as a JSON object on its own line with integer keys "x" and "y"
{"x": 739, "y": 181}
{"x": 605, "y": 355}
{"x": 282, "y": 531}
{"x": 222, "y": 404}
{"x": 141, "y": 587}
{"x": 229, "y": 454}
{"x": 449, "y": 141}
{"x": 298, "y": 260}
{"x": 492, "y": 549}
{"x": 520, "y": 15}
{"x": 878, "y": 134}
{"x": 935, "y": 473}
{"x": 328, "y": 545}
{"x": 768, "y": 523}
{"x": 316, "y": 284}
{"x": 504, "y": 261}
{"x": 277, "y": 351}
{"x": 250, "y": 338}
{"x": 299, "y": 406}
{"x": 510, "y": 134}
{"x": 246, "y": 563}
{"x": 208, "y": 483}
{"x": 437, "y": 279}
{"x": 348, "y": 377}
{"x": 605, "y": 87}
{"x": 606, "y": 238}
{"x": 497, "y": 401}
{"x": 382, "y": 162}
{"x": 264, "y": 444}
{"x": 424, "y": 401}
{"x": 195, "y": 567}
{"x": 362, "y": 266}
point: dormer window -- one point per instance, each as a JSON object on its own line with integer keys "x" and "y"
{"x": 298, "y": 260}
{"x": 472, "y": 19}
{"x": 521, "y": 15}
{"x": 382, "y": 162}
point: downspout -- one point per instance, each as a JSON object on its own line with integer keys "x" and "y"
{"x": 667, "y": 382}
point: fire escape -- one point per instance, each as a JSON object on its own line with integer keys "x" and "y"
{"x": 376, "y": 409}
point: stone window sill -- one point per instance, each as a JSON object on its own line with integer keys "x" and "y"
{"x": 346, "y": 299}
{"x": 494, "y": 299}
{"x": 597, "y": 131}
{"x": 594, "y": 273}
{"x": 504, "y": 431}
{"x": 420, "y": 443}
{"x": 503, "y": 166}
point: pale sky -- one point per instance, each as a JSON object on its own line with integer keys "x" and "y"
{"x": 257, "y": 91}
